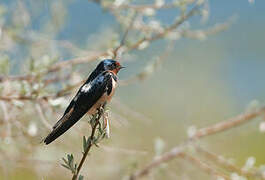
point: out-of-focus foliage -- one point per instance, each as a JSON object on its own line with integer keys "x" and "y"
{"x": 44, "y": 58}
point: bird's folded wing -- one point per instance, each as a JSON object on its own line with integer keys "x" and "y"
{"x": 87, "y": 96}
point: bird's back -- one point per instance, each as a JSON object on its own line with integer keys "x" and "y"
{"x": 90, "y": 96}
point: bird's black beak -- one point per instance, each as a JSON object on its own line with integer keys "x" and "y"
{"x": 121, "y": 67}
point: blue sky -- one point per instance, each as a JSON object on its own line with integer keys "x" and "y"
{"x": 243, "y": 63}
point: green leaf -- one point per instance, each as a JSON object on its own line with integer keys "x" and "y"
{"x": 100, "y": 128}
{"x": 65, "y": 166}
{"x": 93, "y": 120}
{"x": 80, "y": 177}
{"x": 69, "y": 157}
{"x": 65, "y": 161}
{"x": 84, "y": 143}
{"x": 71, "y": 163}
{"x": 88, "y": 141}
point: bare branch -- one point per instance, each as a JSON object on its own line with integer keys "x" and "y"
{"x": 79, "y": 60}
{"x": 142, "y": 7}
{"x": 160, "y": 35}
{"x": 42, "y": 116}
{"x": 228, "y": 124}
{"x": 150, "y": 68}
{"x": 116, "y": 51}
{"x": 228, "y": 165}
{"x": 56, "y": 67}
{"x": 213, "y": 129}
{"x": 175, "y": 152}
{"x": 205, "y": 167}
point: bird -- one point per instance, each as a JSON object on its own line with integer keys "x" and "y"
{"x": 93, "y": 94}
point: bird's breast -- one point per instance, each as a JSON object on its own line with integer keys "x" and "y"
{"x": 103, "y": 99}
{"x": 114, "y": 85}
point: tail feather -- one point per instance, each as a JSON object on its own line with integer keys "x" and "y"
{"x": 66, "y": 122}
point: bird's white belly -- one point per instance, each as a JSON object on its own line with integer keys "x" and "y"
{"x": 104, "y": 98}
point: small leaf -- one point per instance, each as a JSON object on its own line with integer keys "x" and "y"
{"x": 93, "y": 120}
{"x": 88, "y": 142}
{"x": 65, "y": 161}
{"x": 65, "y": 166}
{"x": 84, "y": 143}
{"x": 80, "y": 177}
{"x": 100, "y": 128}
{"x": 70, "y": 158}
{"x": 71, "y": 163}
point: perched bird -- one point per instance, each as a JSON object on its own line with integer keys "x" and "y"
{"x": 94, "y": 93}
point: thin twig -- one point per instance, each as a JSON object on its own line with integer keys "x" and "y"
{"x": 116, "y": 51}
{"x": 202, "y": 33}
{"x": 144, "y": 6}
{"x": 95, "y": 55}
{"x": 205, "y": 167}
{"x": 228, "y": 124}
{"x": 23, "y": 98}
{"x": 123, "y": 150}
{"x": 176, "y": 151}
{"x": 167, "y": 30}
{"x": 15, "y": 77}
{"x": 100, "y": 112}
{"x": 228, "y": 165}
{"x": 146, "y": 73}
{"x": 42, "y": 116}
{"x": 55, "y": 67}
{"x": 75, "y": 61}
{"x": 60, "y": 93}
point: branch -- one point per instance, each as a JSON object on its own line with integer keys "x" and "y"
{"x": 42, "y": 116}
{"x": 116, "y": 51}
{"x": 91, "y": 142}
{"x": 203, "y": 33}
{"x": 228, "y": 165}
{"x": 205, "y": 167}
{"x": 167, "y": 30}
{"x": 15, "y": 78}
{"x": 142, "y": 7}
{"x": 95, "y": 55}
{"x": 228, "y": 124}
{"x": 75, "y": 61}
{"x": 213, "y": 129}
{"x": 55, "y": 67}
{"x": 150, "y": 68}
{"x": 60, "y": 93}
{"x": 62, "y": 64}
{"x": 23, "y": 98}
{"x": 176, "y": 151}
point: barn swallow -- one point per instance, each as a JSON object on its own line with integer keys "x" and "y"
{"x": 93, "y": 94}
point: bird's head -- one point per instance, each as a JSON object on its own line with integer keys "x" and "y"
{"x": 109, "y": 65}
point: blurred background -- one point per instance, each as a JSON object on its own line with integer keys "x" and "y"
{"x": 194, "y": 78}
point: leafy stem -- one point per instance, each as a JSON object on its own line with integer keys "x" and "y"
{"x": 88, "y": 143}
